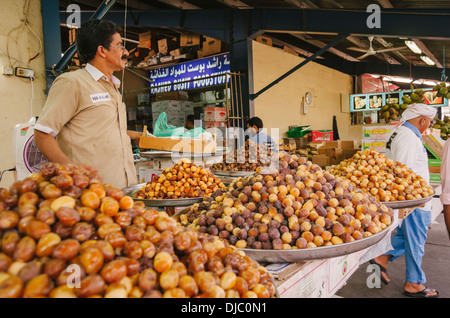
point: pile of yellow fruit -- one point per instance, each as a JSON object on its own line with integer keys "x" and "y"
{"x": 382, "y": 177}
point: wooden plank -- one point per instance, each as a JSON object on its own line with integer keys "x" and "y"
{"x": 433, "y": 146}
{"x": 177, "y": 144}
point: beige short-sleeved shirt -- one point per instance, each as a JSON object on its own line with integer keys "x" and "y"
{"x": 87, "y": 116}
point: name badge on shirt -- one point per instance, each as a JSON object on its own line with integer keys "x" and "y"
{"x": 101, "y": 97}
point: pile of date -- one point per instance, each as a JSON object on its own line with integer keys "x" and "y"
{"x": 65, "y": 234}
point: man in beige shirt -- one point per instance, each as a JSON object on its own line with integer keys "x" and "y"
{"x": 85, "y": 112}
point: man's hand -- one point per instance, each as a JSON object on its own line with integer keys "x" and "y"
{"x": 134, "y": 135}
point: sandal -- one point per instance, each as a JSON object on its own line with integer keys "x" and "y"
{"x": 382, "y": 269}
{"x": 422, "y": 294}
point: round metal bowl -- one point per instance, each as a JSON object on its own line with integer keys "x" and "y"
{"x": 322, "y": 252}
{"x": 407, "y": 203}
{"x": 232, "y": 173}
{"x": 131, "y": 190}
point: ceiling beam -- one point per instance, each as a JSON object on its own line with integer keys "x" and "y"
{"x": 321, "y": 44}
{"x": 303, "y": 4}
{"x": 295, "y": 20}
{"x": 292, "y": 47}
{"x": 427, "y": 52}
{"x": 235, "y": 4}
{"x": 180, "y": 4}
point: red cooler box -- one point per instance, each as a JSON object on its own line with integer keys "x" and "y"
{"x": 322, "y": 135}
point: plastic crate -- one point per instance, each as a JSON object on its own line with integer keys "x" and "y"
{"x": 298, "y": 132}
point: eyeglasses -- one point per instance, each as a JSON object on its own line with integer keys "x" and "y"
{"x": 118, "y": 46}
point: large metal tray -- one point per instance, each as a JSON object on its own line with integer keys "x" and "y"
{"x": 322, "y": 252}
{"x": 232, "y": 173}
{"x": 406, "y": 203}
{"x": 131, "y": 190}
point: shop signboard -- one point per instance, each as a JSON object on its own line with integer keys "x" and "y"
{"x": 190, "y": 75}
{"x": 374, "y": 101}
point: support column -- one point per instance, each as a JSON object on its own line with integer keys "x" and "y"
{"x": 52, "y": 37}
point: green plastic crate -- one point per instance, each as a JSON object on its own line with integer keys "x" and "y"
{"x": 298, "y": 132}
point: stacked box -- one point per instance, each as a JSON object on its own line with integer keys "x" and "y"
{"x": 376, "y": 136}
{"x": 187, "y": 107}
{"x": 173, "y": 110}
{"x": 166, "y": 45}
{"x": 215, "y": 114}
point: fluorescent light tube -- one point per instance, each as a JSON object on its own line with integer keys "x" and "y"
{"x": 413, "y": 46}
{"x": 427, "y": 60}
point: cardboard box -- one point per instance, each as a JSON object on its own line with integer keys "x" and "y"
{"x": 189, "y": 39}
{"x": 333, "y": 144}
{"x": 308, "y": 279}
{"x": 175, "y": 95}
{"x": 330, "y": 152}
{"x": 348, "y": 144}
{"x": 187, "y": 107}
{"x": 175, "y": 52}
{"x": 166, "y": 45}
{"x": 192, "y": 145}
{"x": 167, "y": 106}
{"x": 315, "y": 145}
{"x": 215, "y": 114}
{"x": 190, "y": 51}
{"x": 145, "y": 40}
{"x": 348, "y": 153}
{"x": 211, "y": 46}
{"x": 297, "y": 142}
{"x": 321, "y": 160}
{"x": 339, "y": 270}
{"x": 213, "y": 124}
{"x": 264, "y": 40}
{"x": 378, "y": 145}
{"x": 378, "y": 132}
{"x": 322, "y": 135}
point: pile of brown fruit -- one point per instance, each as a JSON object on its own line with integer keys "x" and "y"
{"x": 299, "y": 206}
{"x": 64, "y": 234}
{"x": 250, "y": 157}
{"x": 183, "y": 180}
{"x": 382, "y": 177}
